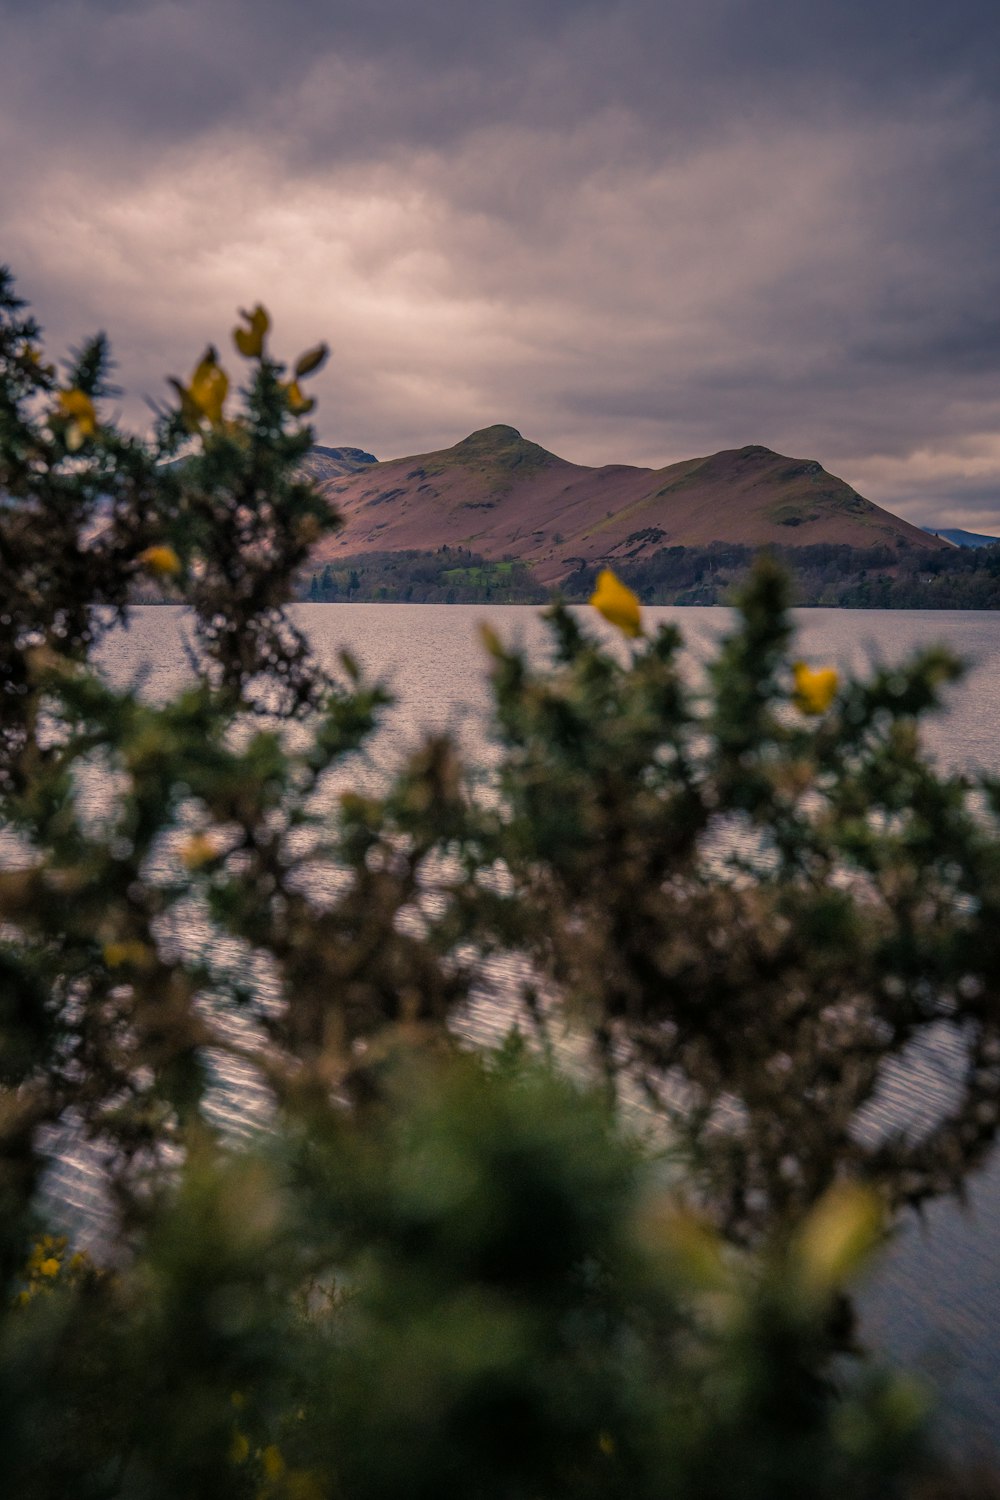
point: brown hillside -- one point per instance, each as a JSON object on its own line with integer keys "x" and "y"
{"x": 500, "y": 495}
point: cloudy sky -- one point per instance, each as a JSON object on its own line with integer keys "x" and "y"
{"x": 637, "y": 231}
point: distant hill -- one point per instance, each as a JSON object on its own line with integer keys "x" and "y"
{"x": 501, "y": 496}
{"x": 331, "y": 463}
{"x": 962, "y": 538}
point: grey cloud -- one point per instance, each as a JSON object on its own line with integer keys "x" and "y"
{"x": 636, "y": 230}
{"x": 174, "y": 67}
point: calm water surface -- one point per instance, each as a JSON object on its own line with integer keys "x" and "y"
{"x": 936, "y": 1298}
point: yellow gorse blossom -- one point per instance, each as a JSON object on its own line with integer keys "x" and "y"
{"x": 239, "y": 1448}
{"x": 490, "y": 639}
{"x": 693, "y": 1246}
{"x": 130, "y": 951}
{"x": 200, "y": 849}
{"x": 250, "y": 340}
{"x": 617, "y": 604}
{"x": 203, "y": 398}
{"x": 77, "y": 407}
{"x": 283, "y": 1483}
{"x": 47, "y": 1252}
{"x": 815, "y": 688}
{"x": 209, "y": 386}
{"x": 838, "y": 1236}
{"x": 272, "y": 1462}
{"x": 45, "y": 1267}
{"x": 161, "y": 560}
{"x": 299, "y": 404}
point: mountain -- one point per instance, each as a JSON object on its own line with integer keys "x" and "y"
{"x": 962, "y": 538}
{"x": 331, "y": 463}
{"x": 499, "y": 495}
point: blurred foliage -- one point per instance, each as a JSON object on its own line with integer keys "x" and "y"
{"x": 482, "y": 1291}
{"x": 750, "y": 896}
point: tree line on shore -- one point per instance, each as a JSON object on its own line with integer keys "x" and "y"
{"x": 448, "y": 575}
{"x": 823, "y": 574}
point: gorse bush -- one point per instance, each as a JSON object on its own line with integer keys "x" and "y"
{"x": 749, "y": 895}
{"x": 759, "y": 899}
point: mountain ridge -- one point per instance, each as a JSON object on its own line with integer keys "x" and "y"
{"x": 960, "y": 538}
{"x": 502, "y": 495}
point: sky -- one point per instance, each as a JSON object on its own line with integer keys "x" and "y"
{"x": 637, "y": 231}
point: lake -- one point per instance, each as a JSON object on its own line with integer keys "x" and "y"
{"x": 933, "y": 1300}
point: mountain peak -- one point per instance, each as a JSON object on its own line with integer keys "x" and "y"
{"x": 499, "y": 432}
{"x": 355, "y": 456}
{"x": 322, "y": 463}
{"x": 776, "y": 467}
{"x": 500, "y": 445}
{"x": 756, "y": 450}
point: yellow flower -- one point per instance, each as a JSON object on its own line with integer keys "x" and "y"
{"x": 161, "y": 561}
{"x": 839, "y": 1234}
{"x": 209, "y": 386}
{"x": 199, "y": 850}
{"x": 274, "y": 1464}
{"x": 205, "y": 397}
{"x": 490, "y": 639}
{"x": 77, "y": 407}
{"x": 299, "y": 404}
{"x": 691, "y": 1243}
{"x": 617, "y": 603}
{"x": 239, "y": 1448}
{"x": 189, "y": 412}
{"x": 815, "y": 689}
{"x": 48, "y": 1244}
{"x": 44, "y": 1266}
{"x": 128, "y": 952}
{"x": 250, "y": 341}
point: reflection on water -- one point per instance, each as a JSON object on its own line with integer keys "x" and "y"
{"x": 934, "y": 1298}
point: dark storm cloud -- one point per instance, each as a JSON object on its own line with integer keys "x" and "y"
{"x": 636, "y": 230}
{"x": 170, "y": 70}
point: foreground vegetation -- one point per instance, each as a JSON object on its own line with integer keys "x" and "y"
{"x": 431, "y": 1273}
